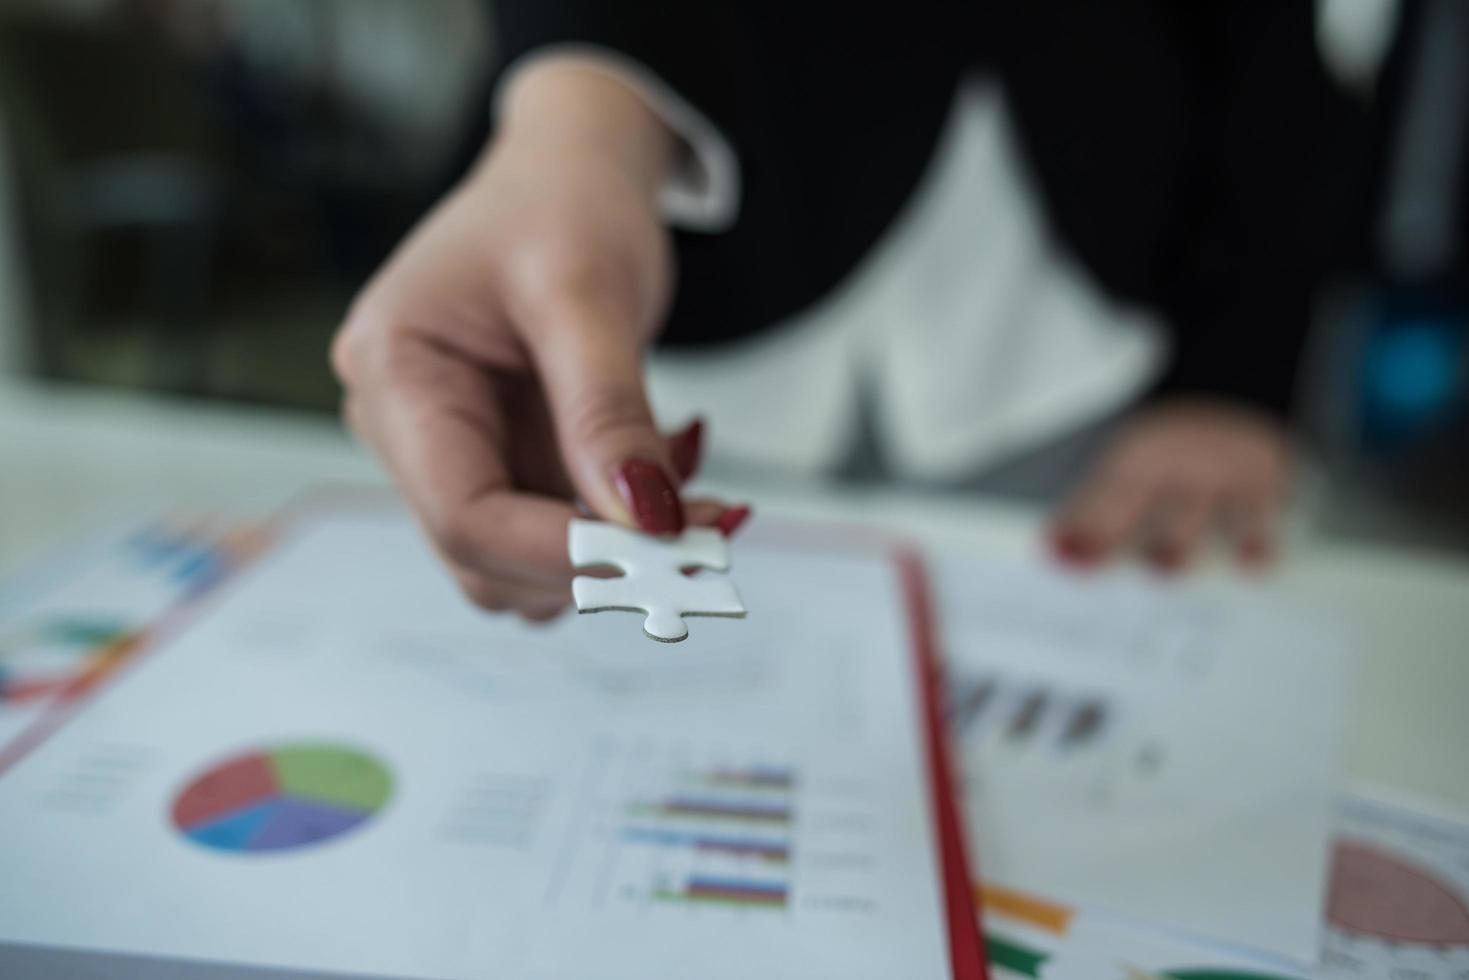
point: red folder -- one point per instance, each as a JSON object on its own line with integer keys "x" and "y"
{"x": 966, "y": 952}
{"x": 962, "y": 915}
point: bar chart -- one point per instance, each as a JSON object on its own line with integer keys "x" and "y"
{"x": 987, "y": 706}
{"x": 717, "y": 836}
{"x": 689, "y": 830}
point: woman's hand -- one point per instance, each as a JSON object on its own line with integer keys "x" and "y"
{"x": 495, "y": 363}
{"x": 1177, "y": 474}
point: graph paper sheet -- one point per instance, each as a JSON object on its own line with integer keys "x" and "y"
{"x": 342, "y": 766}
{"x": 1145, "y": 749}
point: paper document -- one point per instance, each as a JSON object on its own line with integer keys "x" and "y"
{"x": 1137, "y": 750}
{"x": 1397, "y": 908}
{"x": 1399, "y": 898}
{"x": 69, "y": 621}
{"x": 341, "y": 765}
{"x": 1030, "y": 938}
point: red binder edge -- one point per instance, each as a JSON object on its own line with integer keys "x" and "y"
{"x": 966, "y": 951}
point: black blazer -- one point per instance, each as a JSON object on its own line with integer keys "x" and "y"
{"x": 1193, "y": 156}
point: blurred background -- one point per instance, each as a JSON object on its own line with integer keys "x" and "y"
{"x": 192, "y": 190}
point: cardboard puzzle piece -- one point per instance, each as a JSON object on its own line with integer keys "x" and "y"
{"x": 653, "y": 581}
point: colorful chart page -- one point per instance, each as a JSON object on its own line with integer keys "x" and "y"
{"x": 1398, "y": 905}
{"x": 1397, "y": 908}
{"x": 1164, "y": 752}
{"x": 341, "y": 766}
{"x": 69, "y": 621}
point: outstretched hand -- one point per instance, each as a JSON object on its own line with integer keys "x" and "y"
{"x": 495, "y": 363}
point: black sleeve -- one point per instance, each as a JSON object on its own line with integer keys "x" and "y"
{"x": 1198, "y": 160}
{"x": 1274, "y": 168}
{"x": 832, "y": 112}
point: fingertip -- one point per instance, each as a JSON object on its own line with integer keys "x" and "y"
{"x": 1074, "y": 547}
{"x": 543, "y": 615}
{"x": 703, "y": 511}
{"x": 1256, "y": 553}
{"x": 733, "y": 519}
{"x": 686, "y": 449}
{"x": 725, "y": 518}
{"x": 652, "y": 501}
{"x": 1168, "y": 559}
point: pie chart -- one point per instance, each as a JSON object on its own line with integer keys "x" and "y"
{"x": 283, "y": 797}
{"x": 1374, "y": 893}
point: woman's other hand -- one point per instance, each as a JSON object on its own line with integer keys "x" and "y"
{"x": 1175, "y": 476}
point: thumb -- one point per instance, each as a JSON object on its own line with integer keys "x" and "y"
{"x": 591, "y": 369}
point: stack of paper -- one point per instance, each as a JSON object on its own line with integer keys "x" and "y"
{"x": 1150, "y": 785}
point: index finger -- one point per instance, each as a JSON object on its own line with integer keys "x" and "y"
{"x": 434, "y": 420}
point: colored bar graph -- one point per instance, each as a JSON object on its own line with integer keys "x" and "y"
{"x": 774, "y": 851}
{"x": 755, "y": 777}
{"x": 969, "y": 706}
{"x": 74, "y": 650}
{"x": 728, "y": 891}
{"x": 1014, "y": 957}
{"x": 1025, "y": 713}
{"x": 1028, "y": 716}
{"x": 1041, "y": 913}
{"x": 717, "y": 809}
{"x": 717, "y": 836}
{"x": 1085, "y": 723}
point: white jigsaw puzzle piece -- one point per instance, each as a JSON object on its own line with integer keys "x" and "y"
{"x": 653, "y": 581}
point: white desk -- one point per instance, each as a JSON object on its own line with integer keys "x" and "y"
{"x": 69, "y": 459}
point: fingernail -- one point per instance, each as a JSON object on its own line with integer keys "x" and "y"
{"x": 687, "y": 448}
{"x": 650, "y": 497}
{"x": 1167, "y": 559}
{"x": 731, "y": 520}
{"x": 1256, "y": 552}
{"x": 1073, "y": 549}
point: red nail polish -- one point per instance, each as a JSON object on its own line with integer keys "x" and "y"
{"x": 731, "y": 520}
{"x": 1256, "y": 552}
{"x": 1168, "y": 559}
{"x": 651, "y": 497}
{"x": 687, "y": 448}
{"x": 1073, "y": 548}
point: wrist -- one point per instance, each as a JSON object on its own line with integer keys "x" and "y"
{"x": 562, "y": 105}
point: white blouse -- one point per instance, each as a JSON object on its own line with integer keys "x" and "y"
{"x": 967, "y": 334}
